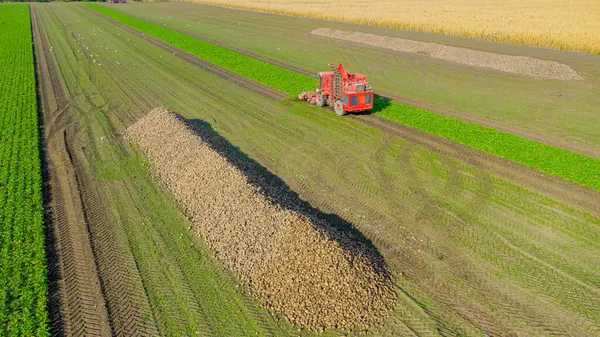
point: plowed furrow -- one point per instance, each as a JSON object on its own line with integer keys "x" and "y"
{"x": 130, "y": 311}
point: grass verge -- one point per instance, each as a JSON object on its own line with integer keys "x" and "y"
{"x": 571, "y": 166}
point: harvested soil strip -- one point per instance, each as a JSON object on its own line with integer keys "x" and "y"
{"x": 516, "y": 173}
{"x": 586, "y": 149}
{"x": 95, "y": 269}
{"x": 556, "y": 187}
{"x": 520, "y": 65}
{"x": 318, "y": 276}
{"x": 221, "y": 72}
{"x": 81, "y": 309}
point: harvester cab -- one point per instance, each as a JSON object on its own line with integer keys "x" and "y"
{"x": 343, "y": 91}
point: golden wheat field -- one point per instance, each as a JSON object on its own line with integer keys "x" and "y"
{"x": 559, "y": 24}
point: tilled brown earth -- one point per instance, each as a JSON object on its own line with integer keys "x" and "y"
{"x": 76, "y": 301}
{"x": 316, "y": 274}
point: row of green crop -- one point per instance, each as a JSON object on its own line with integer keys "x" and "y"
{"x": 575, "y": 167}
{"x": 23, "y": 285}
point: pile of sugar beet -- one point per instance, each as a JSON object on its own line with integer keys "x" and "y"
{"x": 316, "y": 275}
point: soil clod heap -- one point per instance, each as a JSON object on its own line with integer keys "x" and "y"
{"x": 314, "y": 275}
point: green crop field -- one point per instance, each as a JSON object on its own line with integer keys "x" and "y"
{"x": 476, "y": 245}
{"x": 23, "y": 284}
{"x": 575, "y": 167}
{"x": 473, "y": 252}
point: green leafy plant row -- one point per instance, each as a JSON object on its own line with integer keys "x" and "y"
{"x": 23, "y": 281}
{"x": 575, "y": 167}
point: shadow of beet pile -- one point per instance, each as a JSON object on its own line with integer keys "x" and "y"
{"x": 314, "y": 268}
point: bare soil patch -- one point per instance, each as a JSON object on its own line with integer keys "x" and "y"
{"x": 520, "y": 65}
{"x": 76, "y": 302}
{"x": 317, "y": 274}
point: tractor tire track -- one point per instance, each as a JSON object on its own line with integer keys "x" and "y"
{"x": 82, "y": 310}
{"x": 487, "y": 165}
{"x": 129, "y": 309}
{"x": 100, "y": 292}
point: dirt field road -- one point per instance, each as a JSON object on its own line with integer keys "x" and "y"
{"x": 77, "y": 290}
{"x": 96, "y": 273}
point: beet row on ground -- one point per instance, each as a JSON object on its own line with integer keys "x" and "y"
{"x": 315, "y": 274}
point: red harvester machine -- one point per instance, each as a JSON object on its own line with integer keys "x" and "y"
{"x": 341, "y": 90}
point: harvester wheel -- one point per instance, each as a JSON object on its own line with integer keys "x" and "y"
{"x": 338, "y": 108}
{"x": 322, "y": 100}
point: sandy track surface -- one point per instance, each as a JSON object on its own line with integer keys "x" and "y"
{"x": 95, "y": 288}
{"x": 316, "y": 275}
{"x": 520, "y": 65}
